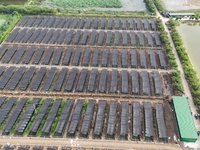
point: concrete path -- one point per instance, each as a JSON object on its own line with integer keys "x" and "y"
{"x": 180, "y": 68}
{"x": 86, "y": 143}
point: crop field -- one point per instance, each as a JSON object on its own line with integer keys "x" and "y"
{"x": 93, "y": 78}
{"x": 68, "y": 55}
{"x": 84, "y": 3}
{"x": 83, "y": 56}
{"x": 74, "y": 118}
{"x": 86, "y": 31}
{"x": 102, "y": 81}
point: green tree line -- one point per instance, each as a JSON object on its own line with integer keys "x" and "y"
{"x": 189, "y": 71}
{"x": 150, "y": 6}
{"x": 28, "y": 10}
{"x": 176, "y": 79}
{"x": 159, "y": 5}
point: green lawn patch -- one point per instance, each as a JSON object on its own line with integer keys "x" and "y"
{"x": 3, "y": 19}
{"x": 83, "y": 3}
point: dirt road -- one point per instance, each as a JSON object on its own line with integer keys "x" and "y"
{"x": 184, "y": 81}
{"x": 194, "y": 2}
{"x": 62, "y": 142}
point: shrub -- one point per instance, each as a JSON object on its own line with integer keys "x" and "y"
{"x": 165, "y": 40}
{"x": 159, "y": 5}
{"x": 8, "y": 25}
{"x": 150, "y": 6}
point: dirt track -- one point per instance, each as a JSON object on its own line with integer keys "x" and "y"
{"x": 88, "y": 143}
{"x": 194, "y": 2}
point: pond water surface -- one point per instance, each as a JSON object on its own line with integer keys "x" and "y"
{"x": 191, "y": 39}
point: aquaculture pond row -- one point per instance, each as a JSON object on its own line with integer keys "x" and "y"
{"x": 74, "y": 80}
{"x": 94, "y": 57}
{"x": 84, "y": 37}
{"x": 88, "y": 23}
{"x": 83, "y": 118}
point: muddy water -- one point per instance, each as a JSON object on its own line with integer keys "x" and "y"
{"x": 190, "y": 36}
{"x": 179, "y": 5}
{"x": 14, "y": 2}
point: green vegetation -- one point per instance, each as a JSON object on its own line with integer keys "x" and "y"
{"x": 28, "y": 10}
{"x": 39, "y": 132}
{"x": 2, "y": 22}
{"x": 20, "y": 115}
{"x": 159, "y": 5}
{"x": 37, "y": 10}
{"x": 84, "y": 106}
{"x": 165, "y": 40}
{"x": 33, "y": 117}
{"x": 4, "y": 122}
{"x": 4, "y": 16}
{"x": 83, "y": 3}
{"x": 189, "y": 71}
{"x": 8, "y": 25}
{"x": 150, "y": 6}
{"x": 176, "y": 80}
{"x": 177, "y": 84}
{"x": 94, "y": 13}
{"x": 55, "y": 122}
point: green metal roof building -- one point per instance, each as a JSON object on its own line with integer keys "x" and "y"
{"x": 175, "y": 15}
{"x": 187, "y": 130}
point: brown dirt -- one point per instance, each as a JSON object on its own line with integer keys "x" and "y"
{"x": 194, "y": 2}
{"x": 172, "y": 129}
{"x": 82, "y": 143}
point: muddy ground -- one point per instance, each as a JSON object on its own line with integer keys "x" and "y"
{"x": 174, "y": 5}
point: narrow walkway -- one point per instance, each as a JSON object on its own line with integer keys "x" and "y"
{"x": 85, "y": 67}
{"x": 180, "y": 68}
{"x": 86, "y": 143}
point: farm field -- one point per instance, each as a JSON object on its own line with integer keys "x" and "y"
{"x": 84, "y": 3}
{"x": 189, "y": 34}
{"x": 81, "y": 80}
{"x": 13, "y": 2}
{"x": 90, "y": 78}
{"x": 109, "y": 5}
{"x": 131, "y": 44}
{"x": 72, "y": 118}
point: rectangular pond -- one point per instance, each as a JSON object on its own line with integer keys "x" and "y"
{"x": 190, "y": 35}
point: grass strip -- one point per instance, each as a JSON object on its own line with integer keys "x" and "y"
{"x": 20, "y": 116}
{"x": 4, "y": 122}
{"x": 26, "y": 132}
{"x": 55, "y": 122}
{"x": 39, "y": 132}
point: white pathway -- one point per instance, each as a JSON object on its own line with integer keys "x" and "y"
{"x": 185, "y": 84}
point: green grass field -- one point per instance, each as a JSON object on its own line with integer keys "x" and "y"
{"x": 3, "y": 18}
{"x": 83, "y": 3}
{"x": 2, "y": 22}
